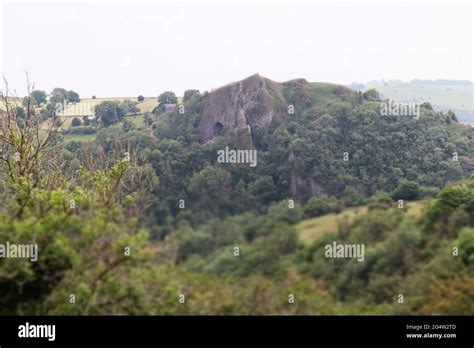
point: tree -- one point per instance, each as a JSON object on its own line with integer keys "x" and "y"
{"x": 19, "y": 112}
{"x": 427, "y": 106}
{"x": 26, "y": 148}
{"x": 167, "y": 98}
{"x": 43, "y": 197}
{"x": 452, "y": 296}
{"x": 48, "y": 111}
{"x": 407, "y": 189}
{"x": 371, "y": 95}
{"x": 140, "y": 98}
{"x": 317, "y": 206}
{"x": 58, "y": 95}
{"x": 453, "y": 201}
{"x": 76, "y": 122}
{"x": 262, "y": 189}
{"x": 39, "y": 97}
{"x": 130, "y": 107}
{"x": 93, "y": 97}
{"x": 86, "y": 120}
{"x": 73, "y": 97}
{"x": 358, "y": 99}
{"x": 109, "y": 112}
{"x": 452, "y": 116}
{"x": 127, "y": 126}
{"x": 147, "y": 119}
{"x": 188, "y": 94}
{"x": 26, "y": 100}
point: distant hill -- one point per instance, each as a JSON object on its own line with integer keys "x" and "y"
{"x": 302, "y": 131}
{"x": 442, "y": 82}
{"x": 444, "y": 95}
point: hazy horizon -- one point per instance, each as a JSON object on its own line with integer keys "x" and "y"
{"x": 130, "y": 48}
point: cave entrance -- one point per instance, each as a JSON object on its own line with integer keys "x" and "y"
{"x": 218, "y": 127}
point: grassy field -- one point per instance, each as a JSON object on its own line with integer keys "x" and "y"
{"x": 147, "y": 105}
{"x": 85, "y": 107}
{"x": 311, "y": 229}
{"x": 14, "y": 102}
{"x": 79, "y": 137}
{"x": 137, "y": 120}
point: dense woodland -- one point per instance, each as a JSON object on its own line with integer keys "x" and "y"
{"x": 132, "y": 220}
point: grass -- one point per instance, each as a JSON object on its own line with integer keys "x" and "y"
{"x": 322, "y": 93}
{"x": 137, "y": 120}
{"x": 310, "y": 230}
{"x": 13, "y": 101}
{"x": 415, "y": 209}
{"x": 148, "y": 105}
{"x": 79, "y": 137}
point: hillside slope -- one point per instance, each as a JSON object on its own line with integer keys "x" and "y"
{"x": 335, "y": 143}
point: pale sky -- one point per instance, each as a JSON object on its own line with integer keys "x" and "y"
{"x": 130, "y": 48}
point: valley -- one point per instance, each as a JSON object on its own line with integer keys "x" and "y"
{"x": 180, "y": 190}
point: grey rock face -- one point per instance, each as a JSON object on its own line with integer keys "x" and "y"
{"x": 233, "y": 108}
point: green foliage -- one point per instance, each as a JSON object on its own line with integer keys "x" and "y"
{"x": 75, "y": 122}
{"x": 73, "y": 97}
{"x": 39, "y": 97}
{"x": 58, "y": 96}
{"x": 381, "y": 200}
{"x": 452, "y": 209}
{"x": 109, "y": 112}
{"x": 95, "y": 228}
{"x": 188, "y": 94}
{"x": 127, "y": 126}
{"x": 167, "y": 98}
{"x": 453, "y": 296}
{"x": 303, "y": 156}
{"x": 20, "y": 112}
{"x": 317, "y": 206}
{"x": 83, "y": 130}
{"x": 427, "y": 106}
{"x": 371, "y": 95}
{"x": 129, "y": 107}
{"x": 401, "y": 258}
{"x": 233, "y": 248}
{"x": 147, "y": 119}
{"x": 408, "y": 190}
{"x": 466, "y": 247}
{"x": 264, "y": 244}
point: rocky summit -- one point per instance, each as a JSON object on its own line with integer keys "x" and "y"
{"x": 241, "y": 106}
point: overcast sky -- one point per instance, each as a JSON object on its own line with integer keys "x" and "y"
{"x": 145, "y": 48}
